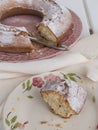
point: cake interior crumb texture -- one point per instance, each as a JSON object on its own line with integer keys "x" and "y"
{"x": 57, "y": 104}
{"x": 64, "y": 97}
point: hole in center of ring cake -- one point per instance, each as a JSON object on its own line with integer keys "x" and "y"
{"x": 27, "y": 21}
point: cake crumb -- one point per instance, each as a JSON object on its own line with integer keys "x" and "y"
{"x": 43, "y": 122}
{"x": 27, "y": 54}
{"x": 18, "y": 98}
{"x": 13, "y": 109}
{"x": 58, "y": 125}
{"x": 33, "y": 50}
{"x": 40, "y": 52}
{"x": 65, "y": 121}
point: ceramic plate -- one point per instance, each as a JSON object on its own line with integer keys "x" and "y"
{"x": 43, "y": 52}
{"x": 26, "y": 110}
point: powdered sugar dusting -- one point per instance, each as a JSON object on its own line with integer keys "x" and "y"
{"x": 45, "y": 51}
{"x": 76, "y": 96}
{"x": 57, "y": 19}
{"x": 73, "y": 93}
{"x": 29, "y": 2}
{"x": 20, "y": 1}
{"x": 6, "y": 38}
{"x": 7, "y": 33}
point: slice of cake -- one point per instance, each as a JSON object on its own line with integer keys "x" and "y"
{"x": 64, "y": 97}
{"x": 11, "y": 40}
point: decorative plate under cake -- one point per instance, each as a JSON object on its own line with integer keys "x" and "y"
{"x": 43, "y": 52}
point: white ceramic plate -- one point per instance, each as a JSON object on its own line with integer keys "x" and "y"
{"x": 42, "y": 52}
{"x": 26, "y": 110}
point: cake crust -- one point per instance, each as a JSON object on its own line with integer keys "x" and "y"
{"x": 55, "y": 24}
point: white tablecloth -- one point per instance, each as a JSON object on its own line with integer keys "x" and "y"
{"x": 92, "y": 6}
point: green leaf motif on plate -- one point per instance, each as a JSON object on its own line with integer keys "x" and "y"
{"x": 27, "y": 86}
{"x": 15, "y": 126}
{"x": 93, "y": 99}
{"x": 13, "y": 120}
{"x": 23, "y": 85}
{"x": 71, "y": 76}
{"x": 31, "y": 97}
{"x": 28, "y": 83}
{"x": 7, "y": 122}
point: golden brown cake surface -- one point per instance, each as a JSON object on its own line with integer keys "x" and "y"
{"x": 55, "y": 24}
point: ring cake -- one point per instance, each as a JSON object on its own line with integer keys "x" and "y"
{"x": 65, "y": 97}
{"x": 55, "y": 24}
